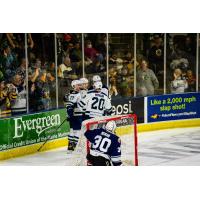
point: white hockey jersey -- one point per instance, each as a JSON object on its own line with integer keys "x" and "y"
{"x": 83, "y": 93}
{"x": 97, "y": 104}
{"x": 104, "y": 90}
{"x": 73, "y": 103}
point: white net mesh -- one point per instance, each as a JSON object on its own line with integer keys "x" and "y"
{"x": 126, "y": 130}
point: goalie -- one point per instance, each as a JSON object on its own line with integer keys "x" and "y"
{"x": 105, "y": 148}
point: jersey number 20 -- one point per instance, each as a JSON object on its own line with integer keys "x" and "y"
{"x": 102, "y": 143}
{"x": 97, "y": 103}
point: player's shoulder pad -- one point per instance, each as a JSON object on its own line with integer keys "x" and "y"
{"x": 74, "y": 92}
{"x": 104, "y": 94}
{"x": 116, "y": 137}
{"x": 91, "y": 91}
{"x": 104, "y": 86}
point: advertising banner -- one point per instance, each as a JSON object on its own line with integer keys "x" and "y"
{"x": 173, "y": 107}
{"x": 129, "y": 105}
{"x": 33, "y": 128}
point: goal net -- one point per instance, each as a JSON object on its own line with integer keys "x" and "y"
{"x": 126, "y": 130}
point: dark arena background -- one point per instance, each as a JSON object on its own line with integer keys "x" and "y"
{"x": 153, "y": 75}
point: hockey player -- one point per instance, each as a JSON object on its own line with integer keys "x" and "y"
{"x": 97, "y": 78}
{"x": 97, "y": 103}
{"x": 74, "y": 112}
{"x": 83, "y": 92}
{"x": 84, "y": 87}
{"x": 105, "y": 148}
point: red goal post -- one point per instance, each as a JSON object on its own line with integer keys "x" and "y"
{"x": 124, "y": 122}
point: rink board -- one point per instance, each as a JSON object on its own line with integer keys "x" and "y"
{"x": 30, "y": 149}
{"x": 21, "y": 151}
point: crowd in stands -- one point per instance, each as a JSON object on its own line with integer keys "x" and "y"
{"x": 180, "y": 64}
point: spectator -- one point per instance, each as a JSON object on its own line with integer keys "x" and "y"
{"x": 91, "y": 53}
{"x": 124, "y": 83}
{"x": 65, "y": 68}
{"x": 39, "y": 90}
{"x": 128, "y": 58}
{"x": 43, "y": 85}
{"x": 156, "y": 55}
{"x": 179, "y": 61}
{"x": 68, "y": 50}
{"x": 191, "y": 81}
{"x": 4, "y": 100}
{"x": 179, "y": 84}
{"x": 190, "y": 45}
{"x": 21, "y": 70}
{"x": 18, "y": 95}
{"x": 17, "y": 44}
{"x": 102, "y": 47}
{"x": 95, "y": 67}
{"x": 76, "y": 54}
{"x": 147, "y": 81}
{"x": 116, "y": 60}
{"x": 51, "y": 71}
{"x": 8, "y": 61}
{"x": 113, "y": 88}
{"x": 51, "y": 76}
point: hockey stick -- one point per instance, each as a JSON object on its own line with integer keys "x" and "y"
{"x": 50, "y": 136}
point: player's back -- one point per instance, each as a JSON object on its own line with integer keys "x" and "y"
{"x": 97, "y": 103}
{"x": 103, "y": 143}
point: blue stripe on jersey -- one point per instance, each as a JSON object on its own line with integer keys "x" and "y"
{"x": 82, "y": 104}
{"x": 91, "y": 91}
{"x": 103, "y": 93}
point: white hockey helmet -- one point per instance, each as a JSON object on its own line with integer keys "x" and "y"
{"x": 96, "y": 78}
{"x": 98, "y": 85}
{"x": 111, "y": 126}
{"x": 84, "y": 80}
{"x": 75, "y": 82}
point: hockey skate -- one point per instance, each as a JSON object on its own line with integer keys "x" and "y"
{"x": 71, "y": 146}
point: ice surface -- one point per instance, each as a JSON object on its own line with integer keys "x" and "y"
{"x": 179, "y": 146}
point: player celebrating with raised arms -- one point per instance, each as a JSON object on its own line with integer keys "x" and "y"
{"x": 105, "y": 148}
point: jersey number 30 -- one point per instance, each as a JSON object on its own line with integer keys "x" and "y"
{"x": 102, "y": 143}
{"x": 97, "y": 103}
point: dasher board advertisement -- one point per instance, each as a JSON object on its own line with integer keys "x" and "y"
{"x": 173, "y": 107}
{"x": 33, "y": 128}
{"x": 129, "y": 105}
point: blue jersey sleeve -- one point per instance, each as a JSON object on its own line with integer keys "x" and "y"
{"x": 115, "y": 153}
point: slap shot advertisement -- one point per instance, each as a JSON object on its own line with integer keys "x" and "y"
{"x": 173, "y": 107}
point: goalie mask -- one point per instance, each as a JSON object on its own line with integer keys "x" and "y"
{"x": 111, "y": 126}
